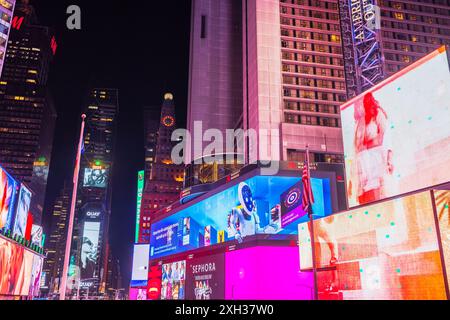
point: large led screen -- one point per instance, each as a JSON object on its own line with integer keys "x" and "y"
{"x": 397, "y": 135}
{"x": 443, "y": 210}
{"x": 8, "y": 190}
{"x": 95, "y": 178}
{"x": 205, "y": 278}
{"x": 139, "y": 274}
{"x": 260, "y": 205}
{"x": 173, "y": 281}
{"x": 23, "y": 208}
{"x": 138, "y": 294}
{"x": 16, "y": 266}
{"x": 36, "y": 276}
{"x": 89, "y": 253}
{"x": 387, "y": 251}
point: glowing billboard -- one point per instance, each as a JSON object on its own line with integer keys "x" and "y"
{"x": 140, "y": 190}
{"x": 241, "y": 211}
{"x": 397, "y": 135}
{"x": 442, "y": 200}
{"x": 173, "y": 281}
{"x": 89, "y": 253}
{"x": 386, "y": 251}
{"x": 205, "y": 278}
{"x": 139, "y": 274}
{"x": 95, "y": 178}
{"x": 23, "y": 208}
{"x": 8, "y": 191}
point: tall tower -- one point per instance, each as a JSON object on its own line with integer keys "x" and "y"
{"x": 165, "y": 179}
{"x": 93, "y": 212}
{"x": 27, "y": 113}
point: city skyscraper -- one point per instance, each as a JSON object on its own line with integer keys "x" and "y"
{"x": 90, "y": 245}
{"x": 53, "y": 265}
{"x": 6, "y": 11}
{"x": 152, "y": 119}
{"x": 287, "y": 57}
{"x": 27, "y": 113}
{"x": 382, "y": 37}
{"x": 166, "y": 179}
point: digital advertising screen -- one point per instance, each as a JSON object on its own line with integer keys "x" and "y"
{"x": 36, "y": 276}
{"x": 139, "y": 294}
{"x": 243, "y": 210}
{"x": 396, "y": 135}
{"x": 205, "y": 278}
{"x": 442, "y": 200}
{"x": 37, "y": 234}
{"x": 8, "y": 190}
{"x": 139, "y": 274}
{"x": 23, "y": 208}
{"x": 173, "y": 281}
{"x": 95, "y": 178}
{"x": 154, "y": 282}
{"x": 89, "y": 253}
{"x": 16, "y": 266}
{"x": 386, "y": 251}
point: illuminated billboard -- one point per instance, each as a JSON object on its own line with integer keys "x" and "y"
{"x": 139, "y": 274}
{"x": 173, "y": 281}
{"x": 23, "y": 208}
{"x": 89, "y": 253}
{"x": 95, "y": 178}
{"x": 36, "y": 276}
{"x": 37, "y": 235}
{"x": 154, "y": 282}
{"x": 8, "y": 191}
{"x": 386, "y": 251}
{"x": 205, "y": 278}
{"x": 140, "y": 190}
{"x": 442, "y": 200}
{"x": 397, "y": 135}
{"x": 138, "y": 294}
{"x": 16, "y": 269}
{"x": 241, "y": 211}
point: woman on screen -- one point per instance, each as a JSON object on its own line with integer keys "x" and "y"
{"x": 373, "y": 161}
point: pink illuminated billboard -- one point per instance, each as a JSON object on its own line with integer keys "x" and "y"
{"x": 266, "y": 273}
{"x": 397, "y": 135}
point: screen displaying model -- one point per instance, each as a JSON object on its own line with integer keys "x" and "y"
{"x": 396, "y": 135}
{"x": 23, "y": 208}
{"x": 173, "y": 281}
{"x": 89, "y": 253}
{"x": 95, "y": 178}
{"x": 387, "y": 251}
{"x": 8, "y": 190}
{"x": 242, "y": 211}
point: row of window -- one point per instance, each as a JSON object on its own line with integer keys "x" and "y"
{"x": 316, "y": 71}
{"x": 300, "y": 156}
{"x": 314, "y": 83}
{"x": 296, "y": 45}
{"x": 330, "y": 5}
{"x": 312, "y": 120}
{"x": 424, "y": 6}
{"x": 293, "y": 56}
{"x": 308, "y": 13}
{"x": 311, "y": 107}
{"x": 314, "y": 95}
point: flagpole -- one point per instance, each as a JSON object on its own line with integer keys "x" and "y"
{"x": 63, "y": 286}
{"x": 311, "y": 221}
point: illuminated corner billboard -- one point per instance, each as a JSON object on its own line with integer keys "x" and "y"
{"x": 140, "y": 190}
{"x": 95, "y": 178}
{"x": 8, "y": 194}
{"x": 139, "y": 276}
{"x": 22, "y": 211}
{"x": 386, "y": 251}
{"x": 397, "y": 135}
{"x": 258, "y": 205}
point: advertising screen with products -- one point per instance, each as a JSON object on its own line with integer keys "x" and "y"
{"x": 396, "y": 135}
{"x": 442, "y": 200}
{"x": 89, "y": 253}
{"x": 95, "y": 178}
{"x": 139, "y": 274}
{"x": 173, "y": 286}
{"x": 386, "y": 251}
{"x": 22, "y": 211}
{"x": 8, "y": 192}
{"x": 205, "y": 278}
{"x": 16, "y": 269}
{"x": 245, "y": 209}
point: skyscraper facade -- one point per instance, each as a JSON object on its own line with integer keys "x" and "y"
{"x": 382, "y": 37}
{"x": 90, "y": 244}
{"x": 164, "y": 186}
{"x": 292, "y": 79}
{"x": 27, "y": 113}
{"x": 152, "y": 119}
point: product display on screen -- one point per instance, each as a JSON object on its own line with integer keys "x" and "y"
{"x": 205, "y": 278}
{"x": 386, "y": 251}
{"x": 8, "y": 190}
{"x": 89, "y": 253}
{"x": 397, "y": 135}
{"x": 173, "y": 281}
{"x": 23, "y": 207}
{"x": 95, "y": 178}
{"x": 240, "y": 212}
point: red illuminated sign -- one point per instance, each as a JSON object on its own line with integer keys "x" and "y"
{"x": 17, "y": 22}
{"x": 53, "y": 45}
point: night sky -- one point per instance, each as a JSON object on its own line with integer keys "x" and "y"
{"x": 141, "y": 48}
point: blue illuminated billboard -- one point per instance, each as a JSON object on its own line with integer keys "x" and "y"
{"x": 259, "y": 205}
